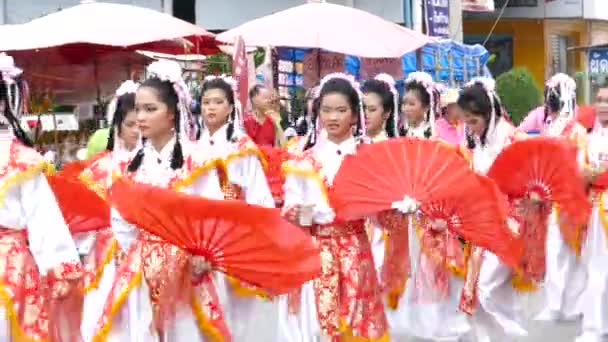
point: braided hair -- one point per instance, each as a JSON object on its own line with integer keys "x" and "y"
{"x": 166, "y": 94}
{"x": 221, "y": 84}
{"x": 333, "y": 86}
{"x": 11, "y": 94}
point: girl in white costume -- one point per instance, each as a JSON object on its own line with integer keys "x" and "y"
{"x": 136, "y": 307}
{"x": 252, "y": 315}
{"x": 407, "y": 314}
{"x": 594, "y": 303}
{"x": 101, "y": 248}
{"x": 565, "y": 275}
{"x": 488, "y": 293}
{"x": 344, "y": 302}
{"x": 35, "y": 243}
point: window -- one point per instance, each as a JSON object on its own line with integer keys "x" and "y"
{"x": 185, "y": 10}
{"x": 559, "y": 53}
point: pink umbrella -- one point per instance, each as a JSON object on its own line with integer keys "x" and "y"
{"x": 331, "y": 27}
{"x": 107, "y": 25}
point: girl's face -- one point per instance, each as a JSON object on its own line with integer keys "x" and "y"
{"x": 129, "y": 133}
{"x": 337, "y": 117}
{"x": 154, "y": 119}
{"x": 413, "y": 109}
{"x": 453, "y": 114}
{"x": 215, "y": 108}
{"x": 475, "y": 123}
{"x": 375, "y": 116}
{"x": 601, "y": 106}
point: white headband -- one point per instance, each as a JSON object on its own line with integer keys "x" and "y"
{"x": 489, "y": 85}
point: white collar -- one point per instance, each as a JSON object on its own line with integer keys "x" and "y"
{"x": 164, "y": 155}
{"x": 348, "y": 146}
{"x": 217, "y": 137}
{"x": 379, "y": 137}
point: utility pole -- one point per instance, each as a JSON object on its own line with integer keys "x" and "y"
{"x": 456, "y": 20}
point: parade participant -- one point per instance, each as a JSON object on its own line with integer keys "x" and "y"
{"x": 449, "y": 127}
{"x": 594, "y": 303}
{"x": 565, "y": 277}
{"x": 249, "y": 311}
{"x": 37, "y": 248}
{"x": 406, "y": 313}
{"x": 419, "y": 105}
{"x": 488, "y": 282}
{"x": 380, "y": 107}
{"x": 101, "y": 249}
{"x": 160, "y": 292}
{"x": 344, "y": 303}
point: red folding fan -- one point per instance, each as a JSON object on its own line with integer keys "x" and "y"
{"x": 480, "y": 217}
{"x": 73, "y": 169}
{"x": 385, "y": 172}
{"x": 83, "y": 210}
{"x": 543, "y": 168}
{"x": 248, "y": 242}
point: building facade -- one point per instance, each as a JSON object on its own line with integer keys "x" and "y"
{"x": 541, "y": 35}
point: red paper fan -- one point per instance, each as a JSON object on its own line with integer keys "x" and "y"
{"x": 83, "y": 210}
{"x": 546, "y": 168}
{"x": 385, "y": 172}
{"x": 251, "y": 243}
{"x": 75, "y": 168}
{"x": 480, "y": 217}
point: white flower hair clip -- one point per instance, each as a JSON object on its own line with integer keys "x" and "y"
{"x": 228, "y": 79}
{"x": 423, "y": 78}
{"x": 127, "y": 87}
{"x": 340, "y": 75}
{"x": 561, "y": 79}
{"x": 488, "y": 84}
{"x": 166, "y": 70}
{"x": 8, "y": 69}
{"x": 388, "y": 79}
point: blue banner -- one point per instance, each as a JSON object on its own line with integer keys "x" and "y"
{"x": 598, "y": 61}
{"x": 438, "y": 18}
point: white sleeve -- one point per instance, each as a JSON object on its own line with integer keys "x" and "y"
{"x": 50, "y": 240}
{"x": 208, "y": 186}
{"x": 248, "y": 173}
{"x": 304, "y": 190}
{"x": 124, "y": 232}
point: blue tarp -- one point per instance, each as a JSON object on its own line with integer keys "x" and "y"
{"x": 474, "y": 56}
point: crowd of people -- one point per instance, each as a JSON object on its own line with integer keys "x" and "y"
{"x": 438, "y": 293}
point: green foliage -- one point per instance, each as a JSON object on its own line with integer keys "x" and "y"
{"x": 219, "y": 64}
{"x": 258, "y": 57}
{"x": 518, "y": 91}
